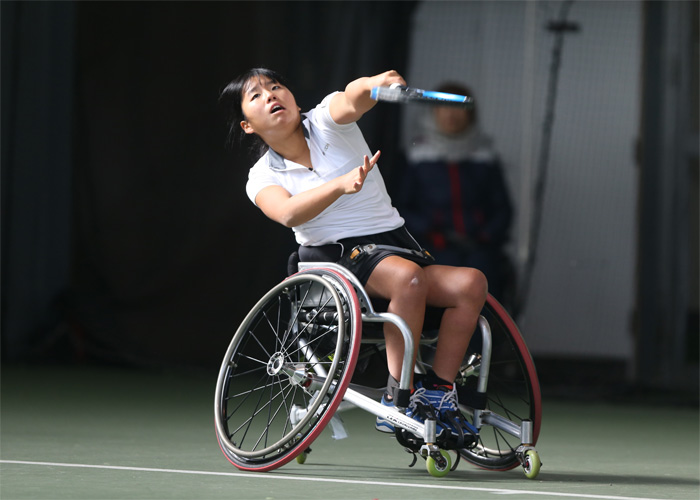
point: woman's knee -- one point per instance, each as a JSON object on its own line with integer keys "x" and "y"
{"x": 473, "y": 285}
{"x": 476, "y": 285}
{"x": 409, "y": 279}
{"x": 395, "y": 277}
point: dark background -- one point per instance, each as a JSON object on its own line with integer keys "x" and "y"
{"x": 127, "y": 234}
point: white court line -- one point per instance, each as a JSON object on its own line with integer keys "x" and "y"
{"x": 496, "y": 491}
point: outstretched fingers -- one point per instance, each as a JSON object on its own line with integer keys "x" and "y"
{"x": 374, "y": 159}
{"x": 364, "y": 169}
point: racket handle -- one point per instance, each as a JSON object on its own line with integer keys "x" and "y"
{"x": 394, "y": 93}
{"x": 401, "y": 93}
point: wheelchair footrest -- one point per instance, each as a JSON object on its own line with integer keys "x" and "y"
{"x": 413, "y": 443}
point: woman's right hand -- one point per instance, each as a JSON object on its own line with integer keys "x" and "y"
{"x": 349, "y": 106}
{"x": 386, "y": 79}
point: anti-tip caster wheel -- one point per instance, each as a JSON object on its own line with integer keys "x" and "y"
{"x": 439, "y": 466}
{"x": 301, "y": 457}
{"x": 531, "y": 464}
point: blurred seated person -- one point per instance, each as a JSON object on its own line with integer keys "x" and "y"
{"x": 453, "y": 194}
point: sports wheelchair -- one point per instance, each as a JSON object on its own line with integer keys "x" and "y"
{"x": 289, "y": 369}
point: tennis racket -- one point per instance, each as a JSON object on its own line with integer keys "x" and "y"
{"x": 401, "y": 93}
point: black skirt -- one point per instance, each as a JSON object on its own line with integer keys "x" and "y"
{"x": 347, "y": 252}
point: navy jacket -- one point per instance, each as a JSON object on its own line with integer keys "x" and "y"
{"x": 439, "y": 200}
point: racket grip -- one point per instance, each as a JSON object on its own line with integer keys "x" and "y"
{"x": 394, "y": 93}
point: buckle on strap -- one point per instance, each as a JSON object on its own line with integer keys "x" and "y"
{"x": 370, "y": 248}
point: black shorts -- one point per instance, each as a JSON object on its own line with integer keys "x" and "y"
{"x": 363, "y": 265}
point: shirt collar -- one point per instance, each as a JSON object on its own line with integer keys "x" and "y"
{"x": 276, "y": 160}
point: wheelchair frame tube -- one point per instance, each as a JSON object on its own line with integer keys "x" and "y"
{"x": 391, "y": 414}
{"x": 373, "y": 317}
{"x": 353, "y": 398}
{"x": 486, "y": 347}
{"x": 407, "y": 363}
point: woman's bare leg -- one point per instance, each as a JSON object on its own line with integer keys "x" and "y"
{"x": 462, "y": 292}
{"x": 408, "y": 287}
{"x": 404, "y": 284}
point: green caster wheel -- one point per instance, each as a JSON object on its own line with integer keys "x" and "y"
{"x": 301, "y": 457}
{"x": 531, "y": 464}
{"x": 439, "y": 467}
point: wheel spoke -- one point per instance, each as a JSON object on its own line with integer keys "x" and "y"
{"x": 247, "y": 423}
{"x": 246, "y": 395}
{"x": 287, "y": 369}
{"x": 316, "y": 342}
{"x": 270, "y": 416}
{"x": 509, "y": 391}
{"x": 295, "y": 319}
{"x": 303, "y": 330}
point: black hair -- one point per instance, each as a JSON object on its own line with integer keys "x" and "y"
{"x": 459, "y": 89}
{"x": 232, "y": 98}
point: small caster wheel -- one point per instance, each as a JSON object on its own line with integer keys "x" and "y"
{"x": 301, "y": 457}
{"x": 439, "y": 466}
{"x": 531, "y": 464}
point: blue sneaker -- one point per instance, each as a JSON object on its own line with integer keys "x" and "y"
{"x": 443, "y": 399}
{"x": 421, "y": 408}
{"x": 382, "y": 424}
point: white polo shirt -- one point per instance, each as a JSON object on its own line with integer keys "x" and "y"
{"x": 335, "y": 150}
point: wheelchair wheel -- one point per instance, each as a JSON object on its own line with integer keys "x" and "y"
{"x": 286, "y": 369}
{"x": 513, "y": 390}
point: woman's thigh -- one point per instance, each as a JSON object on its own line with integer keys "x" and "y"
{"x": 393, "y": 275}
{"x": 448, "y": 286}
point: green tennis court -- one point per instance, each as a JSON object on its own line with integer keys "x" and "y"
{"x": 83, "y": 432}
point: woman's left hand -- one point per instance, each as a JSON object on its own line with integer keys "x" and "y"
{"x": 355, "y": 179}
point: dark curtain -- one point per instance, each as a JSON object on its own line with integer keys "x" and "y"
{"x": 168, "y": 253}
{"x": 38, "y": 80}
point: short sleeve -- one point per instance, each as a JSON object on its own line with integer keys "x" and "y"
{"x": 260, "y": 177}
{"x": 321, "y": 115}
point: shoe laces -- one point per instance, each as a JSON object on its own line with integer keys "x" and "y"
{"x": 418, "y": 396}
{"x": 442, "y": 398}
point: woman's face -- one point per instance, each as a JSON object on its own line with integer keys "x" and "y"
{"x": 268, "y": 107}
{"x": 452, "y": 120}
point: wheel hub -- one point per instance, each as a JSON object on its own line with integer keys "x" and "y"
{"x": 275, "y": 364}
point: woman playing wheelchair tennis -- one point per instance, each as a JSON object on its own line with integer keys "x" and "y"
{"x": 317, "y": 176}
